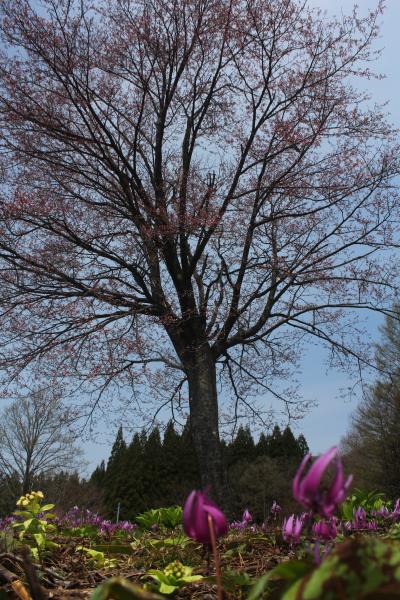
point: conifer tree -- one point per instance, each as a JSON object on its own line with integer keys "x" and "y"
{"x": 171, "y": 465}
{"x": 115, "y": 481}
{"x": 303, "y": 446}
{"x": 98, "y": 476}
{"x": 242, "y": 448}
{"x": 262, "y": 446}
{"x": 275, "y": 444}
{"x": 152, "y": 477}
{"x": 150, "y": 473}
{"x": 190, "y": 473}
{"x": 133, "y": 468}
{"x": 290, "y": 447}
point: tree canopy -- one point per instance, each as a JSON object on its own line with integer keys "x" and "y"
{"x": 191, "y": 185}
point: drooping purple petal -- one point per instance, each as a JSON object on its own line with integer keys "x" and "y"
{"x": 297, "y": 478}
{"x": 325, "y": 530}
{"x": 337, "y": 485}
{"x": 246, "y": 517}
{"x": 291, "y": 530}
{"x": 306, "y": 489}
{"x": 313, "y": 478}
{"x": 219, "y": 521}
{"x": 195, "y": 518}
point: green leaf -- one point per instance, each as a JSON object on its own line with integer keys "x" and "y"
{"x": 35, "y": 553}
{"x": 191, "y": 578}
{"x": 46, "y": 507}
{"x": 22, "y": 513}
{"x": 155, "y": 573}
{"x": 90, "y": 531}
{"x": 170, "y": 517}
{"x": 259, "y": 588}
{"x": 181, "y": 540}
{"x": 40, "y": 539}
{"x": 28, "y": 522}
{"x": 292, "y": 592}
{"x": 167, "y": 589}
{"x": 160, "y": 576}
{"x": 291, "y": 570}
{"x": 114, "y": 548}
{"x": 119, "y": 588}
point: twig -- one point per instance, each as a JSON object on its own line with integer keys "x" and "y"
{"x": 6, "y": 576}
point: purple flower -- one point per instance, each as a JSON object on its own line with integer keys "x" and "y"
{"x": 107, "y": 528}
{"x": 359, "y": 518}
{"x": 325, "y": 531}
{"x": 239, "y": 525}
{"x": 396, "y": 511}
{"x": 383, "y": 511}
{"x": 247, "y": 518}
{"x": 244, "y": 523}
{"x": 307, "y": 517}
{"x": 307, "y": 490}
{"x": 291, "y": 530}
{"x": 126, "y": 526}
{"x": 6, "y": 522}
{"x": 275, "y": 508}
{"x": 195, "y": 518}
{"x": 77, "y": 517}
{"x": 319, "y": 554}
{"x": 347, "y": 526}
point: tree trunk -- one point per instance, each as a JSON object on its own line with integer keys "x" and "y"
{"x": 26, "y": 482}
{"x": 203, "y": 402}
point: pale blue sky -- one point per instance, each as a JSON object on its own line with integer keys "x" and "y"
{"x": 325, "y": 424}
{"x": 328, "y": 421}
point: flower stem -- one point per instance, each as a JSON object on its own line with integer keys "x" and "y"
{"x": 216, "y": 558}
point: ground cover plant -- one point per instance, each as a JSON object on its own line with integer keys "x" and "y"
{"x": 345, "y": 544}
{"x": 190, "y": 191}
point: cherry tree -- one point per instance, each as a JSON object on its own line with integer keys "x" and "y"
{"x": 190, "y": 188}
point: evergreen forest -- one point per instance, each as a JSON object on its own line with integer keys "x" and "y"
{"x": 156, "y": 470}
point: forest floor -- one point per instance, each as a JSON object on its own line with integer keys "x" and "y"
{"x": 78, "y": 565}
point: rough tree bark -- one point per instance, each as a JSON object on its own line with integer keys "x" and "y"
{"x": 203, "y": 402}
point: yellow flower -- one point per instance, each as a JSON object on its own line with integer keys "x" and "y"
{"x": 30, "y": 496}
{"x": 19, "y": 502}
{"x": 39, "y": 495}
{"x": 25, "y": 502}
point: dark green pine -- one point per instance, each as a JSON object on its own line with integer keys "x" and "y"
{"x": 115, "y": 481}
